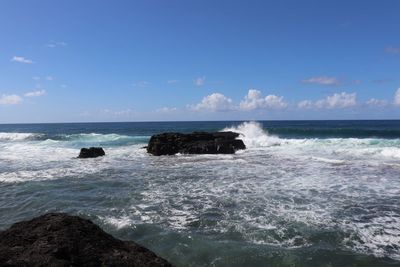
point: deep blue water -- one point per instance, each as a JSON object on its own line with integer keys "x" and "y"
{"x": 303, "y": 193}
{"x": 284, "y": 129}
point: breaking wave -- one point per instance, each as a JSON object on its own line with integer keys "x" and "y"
{"x": 74, "y": 139}
{"x": 337, "y": 149}
{"x": 285, "y": 192}
{"x": 20, "y": 136}
{"x": 253, "y": 135}
{"x": 102, "y": 139}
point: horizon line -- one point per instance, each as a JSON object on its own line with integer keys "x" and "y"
{"x": 93, "y": 122}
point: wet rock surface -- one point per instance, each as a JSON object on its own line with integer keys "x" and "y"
{"x": 58, "y": 239}
{"x": 92, "y": 152}
{"x": 195, "y": 143}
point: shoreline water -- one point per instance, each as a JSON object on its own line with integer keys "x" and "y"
{"x": 301, "y": 197}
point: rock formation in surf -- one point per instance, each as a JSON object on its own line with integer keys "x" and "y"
{"x": 92, "y": 152}
{"x": 58, "y": 239}
{"x": 195, "y": 143}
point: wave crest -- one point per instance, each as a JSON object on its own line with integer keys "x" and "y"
{"x": 20, "y": 136}
{"x": 253, "y": 135}
{"x": 101, "y": 139}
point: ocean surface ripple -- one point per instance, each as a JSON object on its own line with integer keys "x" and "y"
{"x": 298, "y": 196}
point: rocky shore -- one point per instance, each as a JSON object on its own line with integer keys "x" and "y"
{"x": 195, "y": 143}
{"x": 58, "y": 239}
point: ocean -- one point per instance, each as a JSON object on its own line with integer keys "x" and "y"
{"x": 303, "y": 193}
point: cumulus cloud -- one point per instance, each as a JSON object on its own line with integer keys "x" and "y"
{"x": 397, "y": 97}
{"x": 199, "y": 81}
{"x": 254, "y": 100}
{"x": 10, "y": 99}
{"x": 337, "y": 100}
{"x": 166, "y": 110}
{"x": 373, "y": 102}
{"x": 21, "y": 60}
{"x": 392, "y": 50}
{"x": 214, "y": 102}
{"x": 35, "y": 93}
{"x": 321, "y": 80}
{"x": 306, "y": 104}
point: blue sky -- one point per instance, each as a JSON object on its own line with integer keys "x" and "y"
{"x": 73, "y": 61}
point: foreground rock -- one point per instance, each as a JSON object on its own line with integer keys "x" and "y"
{"x": 195, "y": 143}
{"x": 58, "y": 239}
{"x": 92, "y": 152}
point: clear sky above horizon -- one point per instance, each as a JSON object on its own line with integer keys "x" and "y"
{"x": 77, "y": 61}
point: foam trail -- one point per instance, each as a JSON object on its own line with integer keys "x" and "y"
{"x": 326, "y": 160}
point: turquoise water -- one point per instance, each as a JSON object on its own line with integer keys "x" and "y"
{"x": 304, "y": 193}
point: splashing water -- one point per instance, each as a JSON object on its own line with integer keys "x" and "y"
{"x": 253, "y": 135}
{"x": 287, "y": 201}
{"x": 19, "y": 136}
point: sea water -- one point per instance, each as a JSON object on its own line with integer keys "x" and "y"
{"x": 303, "y": 193}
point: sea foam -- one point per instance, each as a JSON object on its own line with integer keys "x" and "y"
{"x": 281, "y": 192}
{"x": 253, "y": 135}
{"x": 19, "y": 136}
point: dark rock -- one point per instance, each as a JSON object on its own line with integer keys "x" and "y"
{"x": 92, "y": 152}
{"x": 58, "y": 239}
{"x": 195, "y": 143}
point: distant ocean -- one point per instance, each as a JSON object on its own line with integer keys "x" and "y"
{"x": 304, "y": 193}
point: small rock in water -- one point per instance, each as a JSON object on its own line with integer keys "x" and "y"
{"x": 92, "y": 152}
{"x": 58, "y": 239}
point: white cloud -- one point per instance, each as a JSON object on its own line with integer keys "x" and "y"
{"x": 54, "y": 44}
{"x": 214, "y": 102}
{"x": 48, "y": 78}
{"x": 306, "y": 104}
{"x": 21, "y": 60}
{"x": 10, "y": 99}
{"x": 35, "y": 93}
{"x": 118, "y": 113}
{"x": 254, "y": 100}
{"x": 322, "y": 80}
{"x": 141, "y": 84}
{"x": 337, "y": 100}
{"x": 172, "y": 81}
{"x": 392, "y": 50}
{"x": 376, "y": 102}
{"x": 125, "y": 112}
{"x": 397, "y": 97}
{"x": 342, "y": 100}
{"x": 199, "y": 81}
{"x": 166, "y": 110}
